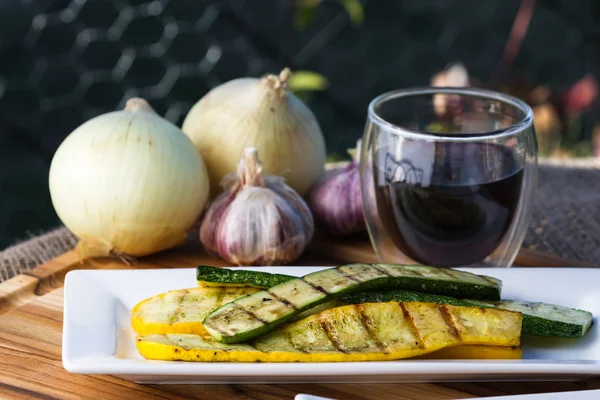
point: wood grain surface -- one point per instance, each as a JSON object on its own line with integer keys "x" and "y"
{"x": 359, "y": 249}
{"x": 31, "y": 334}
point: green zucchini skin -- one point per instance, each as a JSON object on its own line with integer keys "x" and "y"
{"x": 539, "y": 319}
{"x": 384, "y": 296}
{"x": 216, "y": 275}
{"x": 486, "y": 288}
{"x": 543, "y": 319}
{"x": 259, "y": 313}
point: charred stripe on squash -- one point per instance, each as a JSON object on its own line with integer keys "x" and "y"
{"x": 181, "y": 311}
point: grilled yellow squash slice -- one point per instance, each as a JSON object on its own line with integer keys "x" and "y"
{"x": 363, "y": 332}
{"x": 182, "y": 311}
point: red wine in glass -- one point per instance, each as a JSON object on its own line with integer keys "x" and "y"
{"x": 462, "y": 213}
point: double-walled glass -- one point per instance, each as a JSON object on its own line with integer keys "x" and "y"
{"x": 448, "y": 176}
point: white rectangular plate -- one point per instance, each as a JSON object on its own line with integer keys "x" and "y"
{"x": 98, "y": 339}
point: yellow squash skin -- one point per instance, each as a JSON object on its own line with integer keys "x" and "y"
{"x": 364, "y": 332}
{"x": 153, "y": 350}
{"x": 182, "y": 311}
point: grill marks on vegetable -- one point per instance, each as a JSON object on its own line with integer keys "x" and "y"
{"x": 329, "y": 330}
{"x": 384, "y": 272}
{"x": 269, "y": 308}
{"x": 449, "y": 273}
{"x": 369, "y": 325}
{"x": 372, "y": 331}
{"x": 363, "y": 328}
{"x": 356, "y": 328}
{"x": 281, "y": 299}
{"x": 316, "y": 287}
{"x": 182, "y": 311}
{"x": 539, "y": 319}
{"x": 352, "y": 278}
{"x": 181, "y": 300}
{"x": 253, "y": 315}
{"x": 411, "y": 323}
{"x": 450, "y": 320}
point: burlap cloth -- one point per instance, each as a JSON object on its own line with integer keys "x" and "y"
{"x": 566, "y": 220}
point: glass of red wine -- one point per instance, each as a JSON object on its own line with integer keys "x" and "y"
{"x": 448, "y": 176}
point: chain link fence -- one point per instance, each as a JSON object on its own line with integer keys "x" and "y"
{"x": 65, "y": 61}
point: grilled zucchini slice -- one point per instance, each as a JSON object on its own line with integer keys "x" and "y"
{"x": 214, "y": 276}
{"x": 256, "y": 314}
{"x": 365, "y": 332}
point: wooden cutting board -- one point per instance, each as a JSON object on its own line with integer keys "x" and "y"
{"x": 359, "y": 249}
{"x": 31, "y": 334}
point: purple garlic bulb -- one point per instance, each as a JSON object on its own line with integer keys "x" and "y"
{"x": 336, "y": 201}
{"x": 257, "y": 220}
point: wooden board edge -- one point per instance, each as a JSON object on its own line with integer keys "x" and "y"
{"x": 534, "y": 258}
{"x": 42, "y": 279}
{"x": 361, "y": 251}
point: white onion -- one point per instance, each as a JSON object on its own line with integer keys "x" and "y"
{"x": 128, "y": 183}
{"x": 261, "y": 113}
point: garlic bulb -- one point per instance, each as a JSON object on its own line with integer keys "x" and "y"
{"x": 261, "y": 113}
{"x": 258, "y": 220}
{"x": 336, "y": 201}
{"x": 128, "y": 183}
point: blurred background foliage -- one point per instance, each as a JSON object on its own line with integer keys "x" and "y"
{"x": 65, "y": 61}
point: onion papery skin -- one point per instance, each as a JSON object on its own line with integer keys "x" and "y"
{"x": 128, "y": 183}
{"x": 251, "y": 112}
